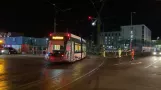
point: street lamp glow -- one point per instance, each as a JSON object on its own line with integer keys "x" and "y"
{"x": 93, "y": 24}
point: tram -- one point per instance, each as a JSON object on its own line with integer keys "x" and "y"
{"x": 65, "y": 47}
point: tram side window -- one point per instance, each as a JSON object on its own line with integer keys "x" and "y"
{"x": 77, "y": 48}
{"x": 84, "y": 48}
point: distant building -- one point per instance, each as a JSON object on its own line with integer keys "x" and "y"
{"x": 10, "y": 34}
{"x": 15, "y": 34}
{"x": 138, "y": 36}
{"x": 139, "y": 32}
{"x": 111, "y": 39}
{"x": 27, "y": 44}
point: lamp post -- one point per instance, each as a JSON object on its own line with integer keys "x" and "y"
{"x": 98, "y": 19}
{"x": 131, "y": 29}
{"x": 157, "y": 42}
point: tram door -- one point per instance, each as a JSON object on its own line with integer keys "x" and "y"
{"x": 68, "y": 51}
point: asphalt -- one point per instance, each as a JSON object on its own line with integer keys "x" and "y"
{"x": 143, "y": 73}
{"x": 29, "y": 72}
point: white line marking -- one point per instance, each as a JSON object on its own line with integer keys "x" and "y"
{"x": 152, "y": 64}
{"x": 81, "y": 76}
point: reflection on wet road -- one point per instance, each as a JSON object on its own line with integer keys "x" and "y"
{"x": 31, "y": 73}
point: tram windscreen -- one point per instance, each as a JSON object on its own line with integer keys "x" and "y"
{"x": 56, "y": 46}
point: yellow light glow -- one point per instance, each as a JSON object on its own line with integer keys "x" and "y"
{"x": 57, "y": 37}
{"x": 3, "y": 84}
{"x": 1, "y": 41}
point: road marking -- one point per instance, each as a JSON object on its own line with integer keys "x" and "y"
{"x": 136, "y": 63}
{"x": 81, "y": 76}
{"x": 152, "y": 63}
{"x": 119, "y": 64}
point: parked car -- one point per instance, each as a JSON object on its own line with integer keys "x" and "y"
{"x": 8, "y": 50}
{"x": 156, "y": 53}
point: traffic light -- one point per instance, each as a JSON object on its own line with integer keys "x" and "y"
{"x": 89, "y": 18}
{"x": 50, "y": 34}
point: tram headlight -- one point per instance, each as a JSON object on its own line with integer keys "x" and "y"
{"x": 160, "y": 53}
{"x": 154, "y": 53}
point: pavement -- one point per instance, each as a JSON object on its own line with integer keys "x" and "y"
{"x": 122, "y": 74}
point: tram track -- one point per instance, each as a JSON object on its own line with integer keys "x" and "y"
{"x": 37, "y": 82}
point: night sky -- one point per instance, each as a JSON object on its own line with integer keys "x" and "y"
{"x": 36, "y": 17}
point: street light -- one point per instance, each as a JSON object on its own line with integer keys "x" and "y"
{"x": 99, "y": 19}
{"x": 94, "y": 23}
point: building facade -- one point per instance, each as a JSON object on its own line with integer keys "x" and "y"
{"x": 139, "y": 32}
{"x": 27, "y": 44}
{"x": 111, "y": 40}
{"x": 136, "y": 36}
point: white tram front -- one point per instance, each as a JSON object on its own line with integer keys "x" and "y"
{"x": 65, "y": 47}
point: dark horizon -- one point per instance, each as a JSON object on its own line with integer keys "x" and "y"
{"x": 35, "y": 18}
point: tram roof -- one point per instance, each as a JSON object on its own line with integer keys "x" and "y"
{"x": 72, "y": 35}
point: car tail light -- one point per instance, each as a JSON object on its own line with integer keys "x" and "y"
{"x": 62, "y": 55}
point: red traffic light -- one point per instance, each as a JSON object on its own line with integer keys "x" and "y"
{"x": 89, "y": 17}
{"x": 68, "y": 34}
{"x": 50, "y": 34}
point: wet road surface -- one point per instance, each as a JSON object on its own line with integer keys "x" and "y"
{"x": 20, "y": 72}
{"x": 141, "y": 74}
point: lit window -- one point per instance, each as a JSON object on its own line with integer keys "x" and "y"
{"x": 77, "y": 47}
{"x": 131, "y": 32}
{"x": 105, "y": 40}
{"x": 14, "y": 39}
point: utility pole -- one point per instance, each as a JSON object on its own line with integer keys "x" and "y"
{"x": 131, "y": 38}
{"x": 99, "y": 25}
{"x": 56, "y": 9}
{"x": 98, "y": 20}
{"x": 55, "y": 18}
